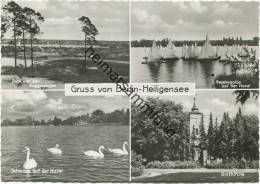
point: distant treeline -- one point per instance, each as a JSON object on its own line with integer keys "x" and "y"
{"x": 101, "y": 43}
{"x": 96, "y": 117}
{"x": 225, "y": 41}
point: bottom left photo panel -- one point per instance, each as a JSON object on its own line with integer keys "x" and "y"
{"x": 50, "y": 137}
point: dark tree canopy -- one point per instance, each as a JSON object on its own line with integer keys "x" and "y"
{"x": 88, "y": 29}
{"x": 243, "y": 95}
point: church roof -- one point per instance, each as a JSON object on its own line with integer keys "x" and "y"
{"x": 195, "y": 109}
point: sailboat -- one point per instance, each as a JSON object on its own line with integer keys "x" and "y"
{"x": 154, "y": 54}
{"x": 196, "y": 51}
{"x": 187, "y": 53}
{"x": 191, "y": 52}
{"x": 224, "y": 53}
{"x": 207, "y": 52}
{"x": 243, "y": 52}
{"x": 169, "y": 53}
{"x": 183, "y": 51}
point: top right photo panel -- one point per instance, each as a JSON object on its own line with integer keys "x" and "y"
{"x": 211, "y": 44}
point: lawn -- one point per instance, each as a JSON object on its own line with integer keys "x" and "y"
{"x": 69, "y": 71}
{"x": 188, "y": 177}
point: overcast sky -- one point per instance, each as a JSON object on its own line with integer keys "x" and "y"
{"x": 61, "y": 18}
{"x": 193, "y": 20}
{"x": 46, "y": 105}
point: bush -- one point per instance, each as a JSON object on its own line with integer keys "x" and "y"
{"x": 172, "y": 165}
{"x": 234, "y": 165}
{"x": 137, "y": 164}
{"x": 137, "y": 171}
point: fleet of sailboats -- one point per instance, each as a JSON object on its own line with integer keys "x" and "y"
{"x": 190, "y": 52}
{"x": 206, "y": 53}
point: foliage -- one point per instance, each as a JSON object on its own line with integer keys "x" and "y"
{"x": 211, "y": 137}
{"x": 22, "y": 21}
{"x": 245, "y": 68}
{"x": 136, "y": 164}
{"x": 243, "y": 95}
{"x": 225, "y": 41}
{"x": 90, "y": 31}
{"x": 233, "y": 164}
{"x": 233, "y": 139}
{"x": 172, "y": 165}
{"x": 88, "y": 28}
{"x": 151, "y": 141}
{"x": 98, "y": 116}
{"x": 236, "y": 138}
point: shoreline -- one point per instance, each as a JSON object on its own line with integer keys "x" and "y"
{"x": 90, "y": 124}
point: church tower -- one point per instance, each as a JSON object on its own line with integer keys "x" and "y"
{"x": 195, "y": 119}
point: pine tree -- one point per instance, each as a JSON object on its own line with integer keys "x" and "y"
{"x": 223, "y": 145}
{"x": 90, "y": 32}
{"x": 211, "y": 138}
{"x": 14, "y": 11}
{"x": 192, "y": 143}
{"x": 34, "y": 18}
{"x": 203, "y": 140}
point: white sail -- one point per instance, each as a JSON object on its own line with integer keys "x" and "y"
{"x": 184, "y": 50}
{"x": 155, "y": 53}
{"x": 233, "y": 51}
{"x": 170, "y": 51}
{"x": 243, "y": 50}
{"x": 207, "y": 50}
{"x": 195, "y": 51}
{"x": 224, "y": 53}
{"x": 145, "y": 50}
{"x": 188, "y": 52}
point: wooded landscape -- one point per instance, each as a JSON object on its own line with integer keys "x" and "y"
{"x": 231, "y": 140}
{"x": 96, "y": 117}
{"x": 24, "y": 23}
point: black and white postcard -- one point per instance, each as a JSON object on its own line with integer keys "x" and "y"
{"x": 213, "y": 44}
{"x": 48, "y": 43}
{"x": 49, "y": 137}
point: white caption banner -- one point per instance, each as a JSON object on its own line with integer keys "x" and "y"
{"x": 111, "y": 89}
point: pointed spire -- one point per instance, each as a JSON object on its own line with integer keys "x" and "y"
{"x": 194, "y": 108}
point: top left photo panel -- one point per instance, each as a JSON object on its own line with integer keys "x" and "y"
{"x": 45, "y": 44}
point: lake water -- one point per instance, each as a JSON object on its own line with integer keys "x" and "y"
{"x": 176, "y": 71}
{"x": 72, "y": 140}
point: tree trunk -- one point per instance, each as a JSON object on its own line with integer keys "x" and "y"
{"x": 24, "y": 52}
{"x": 31, "y": 40}
{"x": 85, "y": 51}
{"x": 15, "y": 49}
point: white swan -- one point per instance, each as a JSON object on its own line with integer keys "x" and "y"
{"x": 95, "y": 154}
{"x": 119, "y": 151}
{"x": 29, "y": 163}
{"x": 55, "y": 150}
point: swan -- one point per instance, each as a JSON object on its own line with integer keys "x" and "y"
{"x": 95, "y": 154}
{"x": 120, "y": 151}
{"x": 55, "y": 150}
{"x": 29, "y": 163}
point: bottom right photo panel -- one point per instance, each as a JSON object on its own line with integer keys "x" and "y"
{"x": 206, "y": 138}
